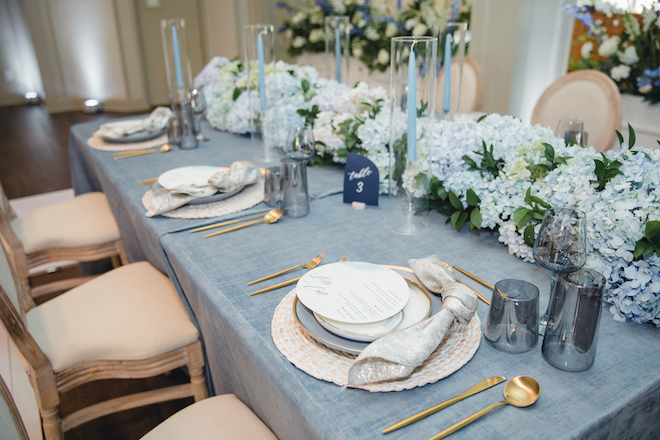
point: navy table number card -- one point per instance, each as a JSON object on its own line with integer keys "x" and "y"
{"x": 360, "y": 180}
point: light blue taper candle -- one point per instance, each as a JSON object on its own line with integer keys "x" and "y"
{"x": 446, "y": 104}
{"x": 337, "y": 52}
{"x": 412, "y": 107}
{"x": 262, "y": 73}
{"x": 177, "y": 58}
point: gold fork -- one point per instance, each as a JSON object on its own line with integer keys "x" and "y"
{"x": 286, "y": 283}
{"x": 310, "y": 265}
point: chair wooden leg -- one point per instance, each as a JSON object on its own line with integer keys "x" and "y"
{"x": 115, "y": 261}
{"x": 122, "y": 254}
{"x": 52, "y": 424}
{"x": 196, "y": 370}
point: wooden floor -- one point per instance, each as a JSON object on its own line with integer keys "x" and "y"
{"x": 34, "y": 159}
{"x": 34, "y": 156}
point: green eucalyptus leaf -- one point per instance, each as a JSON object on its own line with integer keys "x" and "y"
{"x": 620, "y": 136}
{"x": 455, "y": 201}
{"x": 653, "y": 232}
{"x": 528, "y": 235}
{"x": 462, "y": 219}
{"x": 454, "y": 218}
{"x": 631, "y": 136}
{"x": 475, "y": 218}
{"x": 472, "y": 198}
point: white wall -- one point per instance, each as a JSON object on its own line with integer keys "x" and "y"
{"x": 543, "y": 44}
{"x": 19, "y": 71}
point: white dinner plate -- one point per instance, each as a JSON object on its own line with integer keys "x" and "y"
{"x": 417, "y": 309}
{"x": 140, "y": 136}
{"x": 308, "y": 323}
{"x": 210, "y": 199}
{"x": 353, "y": 292}
{"x": 196, "y": 175}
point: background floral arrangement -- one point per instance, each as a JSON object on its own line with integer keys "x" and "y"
{"x": 631, "y": 59}
{"x": 496, "y": 173}
{"x": 374, "y": 23}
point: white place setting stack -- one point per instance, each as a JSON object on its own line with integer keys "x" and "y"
{"x": 204, "y": 191}
{"x": 338, "y": 310}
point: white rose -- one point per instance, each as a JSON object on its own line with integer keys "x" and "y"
{"x": 645, "y": 89}
{"x": 419, "y": 30}
{"x": 411, "y": 23}
{"x": 300, "y": 16}
{"x": 316, "y": 35}
{"x": 298, "y": 42}
{"x": 391, "y": 30}
{"x": 371, "y": 33}
{"x": 620, "y": 72}
{"x": 383, "y": 56}
{"x": 609, "y": 46}
{"x": 586, "y": 49}
{"x": 362, "y": 23}
{"x": 357, "y": 52}
{"x": 629, "y": 56}
{"x": 288, "y": 34}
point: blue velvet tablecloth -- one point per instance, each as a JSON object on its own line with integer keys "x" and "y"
{"x": 619, "y": 397}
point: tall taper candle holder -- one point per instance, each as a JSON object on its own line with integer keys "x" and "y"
{"x": 412, "y": 94}
{"x": 264, "y": 118}
{"x": 338, "y": 47}
{"x": 451, "y": 55}
{"x": 179, "y": 79}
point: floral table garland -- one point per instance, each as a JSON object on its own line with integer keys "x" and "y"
{"x": 495, "y": 173}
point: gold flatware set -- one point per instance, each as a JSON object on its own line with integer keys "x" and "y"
{"x": 271, "y": 217}
{"x": 286, "y": 283}
{"x": 521, "y": 391}
{"x": 310, "y": 265}
{"x": 481, "y": 386}
{"x": 132, "y": 153}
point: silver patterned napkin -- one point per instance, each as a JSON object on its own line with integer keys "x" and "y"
{"x": 396, "y": 355}
{"x": 240, "y": 174}
{"x": 155, "y": 122}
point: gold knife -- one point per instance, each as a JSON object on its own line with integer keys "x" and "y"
{"x": 483, "y": 385}
{"x": 276, "y": 286}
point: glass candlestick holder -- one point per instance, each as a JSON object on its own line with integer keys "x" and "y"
{"x": 412, "y": 93}
{"x": 338, "y": 47}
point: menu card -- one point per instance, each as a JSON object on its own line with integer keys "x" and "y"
{"x": 353, "y": 292}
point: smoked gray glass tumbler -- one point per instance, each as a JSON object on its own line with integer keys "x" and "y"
{"x": 512, "y": 324}
{"x": 295, "y": 198}
{"x": 571, "y": 335}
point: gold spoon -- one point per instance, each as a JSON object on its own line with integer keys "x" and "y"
{"x": 270, "y": 217}
{"x": 231, "y": 222}
{"x": 521, "y": 391}
{"x": 124, "y": 154}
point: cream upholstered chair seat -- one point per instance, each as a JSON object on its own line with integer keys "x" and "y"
{"x": 589, "y": 95}
{"x": 216, "y": 418}
{"x": 85, "y": 220}
{"x": 126, "y": 324}
{"x": 132, "y": 312}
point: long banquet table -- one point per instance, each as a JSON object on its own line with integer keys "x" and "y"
{"x": 619, "y": 397}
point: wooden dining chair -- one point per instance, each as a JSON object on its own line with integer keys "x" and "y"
{"x": 472, "y": 86}
{"x": 11, "y": 423}
{"x": 82, "y": 229}
{"x": 128, "y": 323}
{"x": 589, "y": 95}
{"x": 216, "y": 418}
